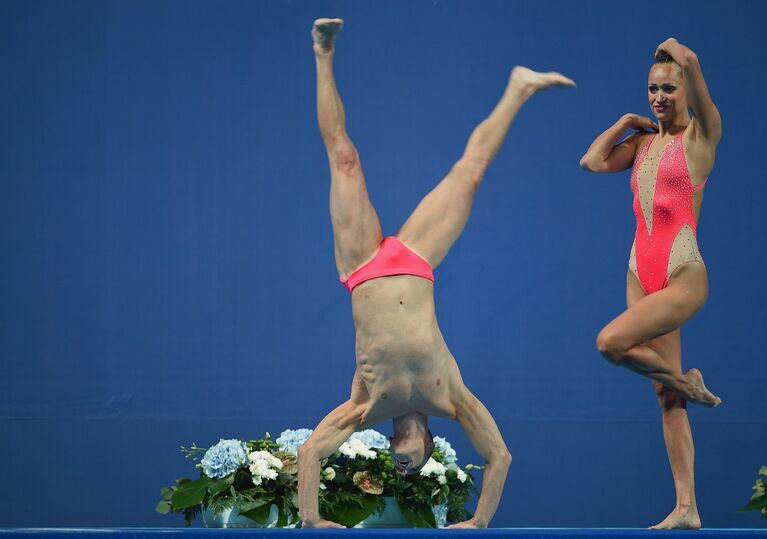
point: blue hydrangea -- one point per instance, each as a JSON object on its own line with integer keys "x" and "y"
{"x": 224, "y": 458}
{"x": 447, "y": 449}
{"x": 371, "y": 438}
{"x": 290, "y": 440}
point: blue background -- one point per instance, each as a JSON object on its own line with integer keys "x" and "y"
{"x": 167, "y": 269}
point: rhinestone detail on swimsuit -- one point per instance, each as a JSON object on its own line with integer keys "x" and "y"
{"x": 663, "y": 207}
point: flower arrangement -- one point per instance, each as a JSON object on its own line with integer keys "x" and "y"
{"x": 758, "y": 501}
{"x": 256, "y": 476}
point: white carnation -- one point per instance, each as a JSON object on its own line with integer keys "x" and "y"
{"x": 263, "y": 466}
{"x": 355, "y": 447}
{"x": 432, "y": 467}
{"x": 458, "y": 472}
{"x": 461, "y": 475}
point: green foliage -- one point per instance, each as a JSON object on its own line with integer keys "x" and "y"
{"x": 237, "y": 489}
{"x": 415, "y": 494}
{"x": 340, "y": 499}
{"x": 190, "y": 494}
{"x": 758, "y": 501}
{"x": 350, "y": 509}
{"x": 417, "y": 516}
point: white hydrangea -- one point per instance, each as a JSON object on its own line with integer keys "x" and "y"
{"x": 263, "y": 466}
{"x": 447, "y": 449}
{"x": 371, "y": 438}
{"x": 290, "y": 440}
{"x": 356, "y": 447}
{"x": 441, "y": 479}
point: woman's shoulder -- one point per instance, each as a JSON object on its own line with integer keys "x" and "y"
{"x": 639, "y": 139}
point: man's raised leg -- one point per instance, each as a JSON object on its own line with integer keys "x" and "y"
{"x": 356, "y": 229}
{"x": 441, "y": 216}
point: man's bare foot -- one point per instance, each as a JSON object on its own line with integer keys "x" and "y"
{"x": 321, "y": 523}
{"x": 531, "y": 81}
{"x": 679, "y": 519}
{"x": 697, "y": 392}
{"x": 324, "y": 34}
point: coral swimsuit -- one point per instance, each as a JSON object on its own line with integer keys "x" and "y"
{"x": 663, "y": 205}
{"x": 393, "y": 258}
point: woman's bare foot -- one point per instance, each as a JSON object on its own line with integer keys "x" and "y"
{"x": 531, "y": 81}
{"x": 324, "y": 34}
{"x": 679, "y": 519}
{"x": 695, "y": 390}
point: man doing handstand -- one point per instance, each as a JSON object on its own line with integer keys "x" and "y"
{"x": 405, "y": 371}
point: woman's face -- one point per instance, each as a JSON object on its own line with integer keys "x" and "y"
{"x": 666, "y": 91}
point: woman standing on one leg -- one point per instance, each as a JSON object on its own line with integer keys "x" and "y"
{"x": 667, "y": 282}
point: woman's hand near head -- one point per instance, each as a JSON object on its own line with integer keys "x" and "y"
{"x": 667, "y": 46}
{"x": 679, "y": 53}
{"x": 708, "y": 121}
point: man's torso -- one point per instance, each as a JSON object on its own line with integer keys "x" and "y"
{"x": 402, "y": 359}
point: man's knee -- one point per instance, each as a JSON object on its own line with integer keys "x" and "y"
{"x": 472, "y": 168}
{"x": 611, "y": 346}
{"x": 343, "y": 154}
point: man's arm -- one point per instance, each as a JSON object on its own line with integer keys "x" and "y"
{"x": 332, "y": 431}
{"x": 481, "y": 429}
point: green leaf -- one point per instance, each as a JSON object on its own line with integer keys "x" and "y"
{"x": 190, "y": 494}
{"x": 260, "y": 514}
{"x": 255, "y": 504}
{"x": 419, "y": 519}
{"x": 163, "y": 507}
{"x": 282, "y": 517}
{"x": 189, "y": 515}
{"x": 756, "y": 503}
{"x": 219, "y": 486}
{"x": 351, "y": 515}
{"x": 341, "y": 477}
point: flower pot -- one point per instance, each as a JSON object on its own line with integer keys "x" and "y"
{"x": 391, "y": 517}
{"x": 440, "y": 514}
{"x": 231, "y": 518}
